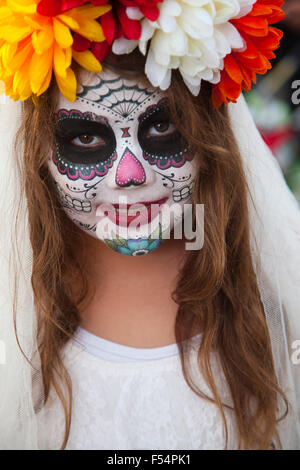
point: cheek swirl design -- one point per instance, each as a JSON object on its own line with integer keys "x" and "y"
{"x": 169, "y": 181}
{"x": 87, "y": 191}
{"x": 164, "y": 162}
{"x": 81, "y": 171}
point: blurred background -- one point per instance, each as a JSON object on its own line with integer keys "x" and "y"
{"x": 275, "y": 100}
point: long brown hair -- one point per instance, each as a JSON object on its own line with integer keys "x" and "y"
{"x": 217, "y": 288}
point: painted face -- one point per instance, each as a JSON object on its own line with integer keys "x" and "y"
{"x": 122, "y": 170}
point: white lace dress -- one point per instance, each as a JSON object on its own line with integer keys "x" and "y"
{"x": 133, "y": 398}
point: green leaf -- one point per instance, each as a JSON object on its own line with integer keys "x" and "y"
{"x": 156, "y": 234}
{"x": 121, "y": 241}
{"x": 166, "y": 232}
{"x": 111, "y": 244}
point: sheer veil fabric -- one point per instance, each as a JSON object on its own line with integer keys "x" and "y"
{"x": 18, "y": 428}
{"x": 275, "y": 242}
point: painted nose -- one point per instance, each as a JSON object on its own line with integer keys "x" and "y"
{"x": 130, "y": 171}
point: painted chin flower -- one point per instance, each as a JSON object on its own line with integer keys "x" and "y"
{"x": 37, "y": 39}
{"x": 138, "y": 247}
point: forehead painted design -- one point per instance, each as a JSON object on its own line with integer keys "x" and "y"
{"x": 118, "y": 95}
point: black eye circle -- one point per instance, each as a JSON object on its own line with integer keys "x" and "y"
{"x": 85, "y": 142}
{"x": 158, "y": 134}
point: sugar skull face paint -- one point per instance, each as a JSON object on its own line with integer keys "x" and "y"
{"x": 120, "y": 163}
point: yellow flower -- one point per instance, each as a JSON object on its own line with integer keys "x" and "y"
{"x": 32, "y": 46}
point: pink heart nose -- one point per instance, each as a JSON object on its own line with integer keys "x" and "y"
{"x": 130, "y": 170}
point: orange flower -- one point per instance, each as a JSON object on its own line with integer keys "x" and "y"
{"x": 33, "y": 46}
{"x": 240, "y": 68}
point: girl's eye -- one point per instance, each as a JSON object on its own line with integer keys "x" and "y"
{"x": 88, "y": 141}
{"x": 158, "y": 135}
{"x": 161, "y": 128}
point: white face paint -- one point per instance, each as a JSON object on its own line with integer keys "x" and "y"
{"x": 120, "y": 165}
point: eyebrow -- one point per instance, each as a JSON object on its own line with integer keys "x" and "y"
{"x": 63, "y": 114}
{"x": 161, "y": 105}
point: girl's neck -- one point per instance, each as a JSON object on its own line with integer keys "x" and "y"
{"x": 132, "y": 302}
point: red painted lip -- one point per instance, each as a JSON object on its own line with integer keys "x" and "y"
{"x": 144, "y": 218}
{"x": 144, "y": 203}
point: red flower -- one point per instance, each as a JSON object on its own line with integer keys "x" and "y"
{"x": 149, "y": 8}
{"x": 240, "y": 68}
{"x": 56, "y": 7}
{"x": 116, "y": 23}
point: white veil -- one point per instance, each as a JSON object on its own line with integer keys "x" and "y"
{"x": 18, "y": 424}
{"x": 275, "y": 238}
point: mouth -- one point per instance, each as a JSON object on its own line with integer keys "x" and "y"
{"x": 123, "y": 214}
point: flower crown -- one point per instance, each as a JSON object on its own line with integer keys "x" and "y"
{"x": 224, "y": 42}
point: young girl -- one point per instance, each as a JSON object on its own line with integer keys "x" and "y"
{"x": 193, "y": 346}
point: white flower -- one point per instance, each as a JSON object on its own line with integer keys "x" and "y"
{"x": 193, "y": 36}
